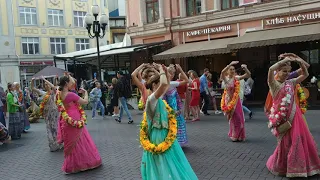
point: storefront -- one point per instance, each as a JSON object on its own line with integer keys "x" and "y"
{"x": 256, "y": 43}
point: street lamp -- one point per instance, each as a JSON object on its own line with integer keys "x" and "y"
{"x": 97, "y": 26}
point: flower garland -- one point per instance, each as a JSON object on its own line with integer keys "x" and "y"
{"x": 168, "y": 141}
{"x": 302, "y": 99}
{"x": 230, "y": 106}
{"x": 44, "y": 102}
{"x": 75, "y": 123}
{"x": 279, "y": 113}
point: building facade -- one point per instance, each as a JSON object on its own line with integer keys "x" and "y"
{"x": 117, "y": 20}
{"x": 33, "y": 31}
{"x": 212, "y": 33}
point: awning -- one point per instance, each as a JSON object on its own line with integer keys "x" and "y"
{"x": 218, "y": 46}
{"x": 301, "y": 33}
{"x": 122, "y": 50}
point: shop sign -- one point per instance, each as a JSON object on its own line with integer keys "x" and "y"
{"x": 28, "y": 63}
{"x": 293, "y": 19}
{"x": 247, "y": 2}
{"x": 209, "y": 30}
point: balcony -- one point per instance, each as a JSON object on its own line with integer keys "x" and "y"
{"x": 240, "y": 14}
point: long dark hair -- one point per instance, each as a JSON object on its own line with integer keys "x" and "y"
{"x": 63, "y": 81}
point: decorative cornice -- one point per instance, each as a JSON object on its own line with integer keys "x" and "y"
{"x": 55, "y": 2}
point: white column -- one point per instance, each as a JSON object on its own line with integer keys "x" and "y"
{"x": 161, "y": 10}
{"x": 203, "y": 6}
{"x": 183, "y": 8}
{"x": 217, "y": 5}
{"x": 142, "y": 12}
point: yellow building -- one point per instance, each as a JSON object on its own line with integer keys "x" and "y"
{"x": 33, "y": 31}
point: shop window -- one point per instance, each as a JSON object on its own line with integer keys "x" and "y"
{"x": 193, "y": 7}
{"x": 28, "y": 16}
{"x": 58, "y": 45}
{"x": 78, "y": 18}
{"x": 55, "y": 17}
{"x": 30, "y": 45}
{"x": 152, "y": 7}
{"x": 82, "y": 44}
{"x": 228, "y": 4}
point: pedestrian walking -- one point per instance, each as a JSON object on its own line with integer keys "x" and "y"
{"x": 95, "y": 99}
{"x": 195, "y": 95}
{"x": 124, "y": 93}
{"x": 204, "y": 91}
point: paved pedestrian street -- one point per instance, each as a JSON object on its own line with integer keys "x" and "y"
{"x": 210, "y": 152}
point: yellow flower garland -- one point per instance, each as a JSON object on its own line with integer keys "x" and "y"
{"x": 302, "y": 99}
{"x": 229, "y": 107}
{"x": 168, "y": 141}
{"x": 76, "y": 123}
{"x": 44, "y": 102}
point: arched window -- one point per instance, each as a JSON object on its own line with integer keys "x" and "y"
{"x": 152, "y": 7}
{"x": 193, "y": 7}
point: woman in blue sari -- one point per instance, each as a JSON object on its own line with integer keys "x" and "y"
{"x": 174, "y": 101}
{"x": 172, "y": 162}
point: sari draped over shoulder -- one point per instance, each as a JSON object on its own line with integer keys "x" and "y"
{"x": 174, "y": 101}
{"x": 296, "y": 153}
{"x": 171, "y": 164}
{"x": 236, "y": 116}
{"x": 80, "y": 152}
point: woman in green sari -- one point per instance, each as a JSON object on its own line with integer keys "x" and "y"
{"x": 162, "y": 157}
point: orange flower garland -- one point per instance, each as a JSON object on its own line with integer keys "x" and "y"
{"x": 230, "y": 106}
{"x": 168, "y": 141}
{"x": 44, "y": 102}
{"x": 75, "y": 123}
{"x": 302, "y": 99}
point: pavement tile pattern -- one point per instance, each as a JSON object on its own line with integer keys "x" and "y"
{"x": 212, "y": 155}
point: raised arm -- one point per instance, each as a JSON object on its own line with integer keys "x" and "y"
{"x": 33, "y": 88}
{"x": 135, "y": 79}
{"x": 275, "y": 67}
{"x": 304, "y": 71}
{"x": 83, "y": 100}
{"x": 163, "y": 82}
{"x": 184, "y": 77}
{"x": 247, "y": 73}
{"x": 223, "y": 74}
{"x": 48, "y": 82}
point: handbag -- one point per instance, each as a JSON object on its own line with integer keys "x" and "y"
{"x": 284, "y": 127}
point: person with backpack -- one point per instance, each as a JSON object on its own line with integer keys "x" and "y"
{"x": 124, "y": 93}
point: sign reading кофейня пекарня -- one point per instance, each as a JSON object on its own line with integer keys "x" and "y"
{"x": 209, "y": 30}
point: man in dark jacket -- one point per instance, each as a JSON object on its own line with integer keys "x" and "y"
{"x": 124, "y": 93}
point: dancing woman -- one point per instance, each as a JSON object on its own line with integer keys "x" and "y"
{"x": 173, "y": 99}
{"x": 24, "y": 118}
{"x": 162, "y": 157}
{"x": 230, "y": 102}
{"x": 49, "y": 111}
{"x": 80, "y": 152}
{"x": 296, "y": 152}
{"x": 14, "y": 117}
{"x": 195, "y": 95}
{"x": 299, "y": 95}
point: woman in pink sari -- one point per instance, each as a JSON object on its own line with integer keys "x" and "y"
{"x": 230, "y": 102}
{"x": 80, "y": 152}
{"x": 296, "y": 152}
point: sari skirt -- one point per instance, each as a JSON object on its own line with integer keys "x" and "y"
{"x": 296, "y": 153}
{"x": 236, "y": 124}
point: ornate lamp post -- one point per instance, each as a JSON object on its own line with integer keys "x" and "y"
{"x": 97, "y": 27}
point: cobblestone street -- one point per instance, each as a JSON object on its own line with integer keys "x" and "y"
{"x": 210, "y": 152}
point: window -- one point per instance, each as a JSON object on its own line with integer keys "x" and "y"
{"x": 118, "y": 38}
{"x": 58, "y": 45}
{"x": 117, "y": 23}
{"x": 228, "y": 4}
{"x": 30, "y": 45}
{"x": 28, "y": 16}
{"x": 82, "y": 44}
{"x": 55, "y": 17}
{"x": 193, "y": 7}
{"x": 152, "y": 10}
{"x": 78, "y": 18}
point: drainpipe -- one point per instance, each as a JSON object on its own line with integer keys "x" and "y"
{"x": 170, "y": 26}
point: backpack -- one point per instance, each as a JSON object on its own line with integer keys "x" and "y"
{"x": 247, "y": 89}
{"x": 125, "y": 88}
